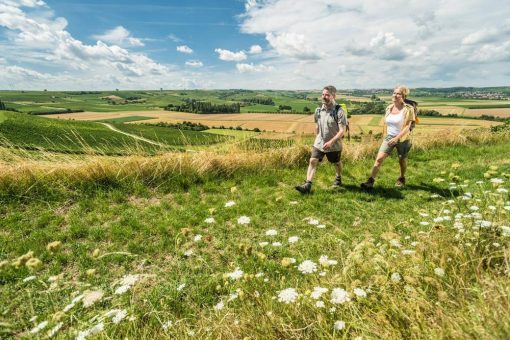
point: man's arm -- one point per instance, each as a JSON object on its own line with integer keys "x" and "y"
{"x": 336, "y": 137}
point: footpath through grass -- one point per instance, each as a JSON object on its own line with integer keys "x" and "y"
{"x": 247, "y": 256}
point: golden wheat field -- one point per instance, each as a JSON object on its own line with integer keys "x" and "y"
{"x": 281, "y": 123}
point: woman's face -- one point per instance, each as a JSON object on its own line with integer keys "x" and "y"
{"x": 397, "y": 96}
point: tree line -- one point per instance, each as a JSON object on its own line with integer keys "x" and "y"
{"x": 196, "y": 106}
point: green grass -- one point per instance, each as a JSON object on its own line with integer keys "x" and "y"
{"x": 32, "y": 132}
{"x": 172, "y": 136}
{"x": 124, "y": 119}
{"x": 147, "y": 230}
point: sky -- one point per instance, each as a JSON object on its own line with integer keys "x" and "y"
{"x": 252, "y": 44}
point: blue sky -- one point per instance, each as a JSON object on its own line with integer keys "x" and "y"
{"x": 258, "y": 44}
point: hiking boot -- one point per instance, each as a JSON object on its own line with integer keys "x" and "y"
{"x": 401, "y": 182}
{"x": 337, "y": 182}
{"x": 369, "y": 184}
{"x": 304, "y": 188}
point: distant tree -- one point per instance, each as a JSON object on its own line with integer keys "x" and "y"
{"x": 306, "y": 109}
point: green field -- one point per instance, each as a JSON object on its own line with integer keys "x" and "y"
{"x": 33, "y": 132}
{"x": 196, "y": 250}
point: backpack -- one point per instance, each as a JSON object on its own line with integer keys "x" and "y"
{"x": 415, "y": 107}
{"x": 334, "y": 113}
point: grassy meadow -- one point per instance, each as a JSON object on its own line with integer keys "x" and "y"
{"x": 220, "y": 245}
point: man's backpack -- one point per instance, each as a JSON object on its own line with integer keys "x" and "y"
{"x": 415, "y": 107}
{"x": 334, "y": 114}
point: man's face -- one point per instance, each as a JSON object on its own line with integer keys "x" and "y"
{"x": 327, "y": 97}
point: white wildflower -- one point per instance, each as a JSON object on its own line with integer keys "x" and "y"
{"x": 230, "y": 204}
{"x": 55, "y": 329}
{"x": 271, "y": 232}
{"x": 167, "y": 325}
{"x": 502, "y": 190}
{"x": 439, "y": 272}
{"x": 423, "y": 214}
{"x": 395, "y": 277}
{"x": 485, "y": 224}
{"x": 313, "y": 221}
{"x": 219, "y": 306}
{"x": 188, "y": 252}
{"x": 236, "y": 274}
{"x": 408, "y": 252}
{"x": 414, "y": 243}
{"x": 181, "y": 287}
{"x": 129, "y": 279}
{"x": 505, "y": 230}
{"x": 325, "y": 261}
{"x": 91, "y": 331}
{"x": 209, "y": 220}
{"x": 288, "y": 295}
{"x": 197, "y": 238}
{"x": 320, "y": 304}
{"x": 497, "y": 181}
{"x": 473, "y": 208}
{"x": 507, "y": 207}
{"x": 293, "y": 239}
{"x": 339, "y": 325}
{"x": 263, "y": 244}
{"x": 359, "y": 292}
{"x": 395, "y": 243}
{"x": 29, "y": 278}
{"x": 339, "y": 295}
{"x": 39, "y": 327}
{"x": 307, "y": 267}
{"x": 317, "y": 292}
{"x": 321, "y": 226}
{"x": 276, "y": 244}
{"x": 91, "y": 297}
{"x": 122, "y": 289}
{"x": 243, "y": 220}
{"x": 424, "y": 223}
{"x": 438, "y": 219}
{"x": 117, "y": 315}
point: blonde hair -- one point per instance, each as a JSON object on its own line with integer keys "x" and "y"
{"x": 404, "y": 90}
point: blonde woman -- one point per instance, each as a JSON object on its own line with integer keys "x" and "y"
{"x": 398, "y": 121}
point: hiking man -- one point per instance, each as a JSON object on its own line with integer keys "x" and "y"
{"x": 330, "y": 123}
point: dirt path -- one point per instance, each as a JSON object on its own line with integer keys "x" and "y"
{"x": 133, "y": 136}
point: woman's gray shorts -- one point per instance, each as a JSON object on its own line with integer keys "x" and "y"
{"x": 402, "y": 147}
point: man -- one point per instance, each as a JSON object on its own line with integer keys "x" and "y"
{"x": 330, "y": 123}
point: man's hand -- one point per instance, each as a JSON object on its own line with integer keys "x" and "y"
{"x": 327, "y": 145}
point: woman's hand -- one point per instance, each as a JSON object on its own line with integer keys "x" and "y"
{"x": 393, "y": 141}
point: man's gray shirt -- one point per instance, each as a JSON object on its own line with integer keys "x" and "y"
{"x": 328, "y": 127}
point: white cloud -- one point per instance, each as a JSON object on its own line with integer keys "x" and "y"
{"x": 119, "y": 36}
{"x": 194, "y": 63}
{"x": 255, "y": 49}
{"x": 184, "y": 49}
{"x": 247, "y": 68}
{"x": 293, "y": 45}
{"x": 227, "y": 55}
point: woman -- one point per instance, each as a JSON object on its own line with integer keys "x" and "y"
{"x": 398, "y": 120}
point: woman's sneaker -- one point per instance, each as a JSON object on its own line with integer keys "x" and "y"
{"x": 304, "y": 188}
{"x": 401, "y": 182}
{"x": 369, "y": 184}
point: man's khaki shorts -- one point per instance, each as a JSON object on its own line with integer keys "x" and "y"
{"x": 333, "y": 156}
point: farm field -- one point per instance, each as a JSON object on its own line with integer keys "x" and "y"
{"x": 282, "y": 123}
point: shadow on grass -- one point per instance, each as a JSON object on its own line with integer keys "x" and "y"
{"x": 380, "y": 191}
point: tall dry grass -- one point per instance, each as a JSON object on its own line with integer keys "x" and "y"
{"x": 21, "y": 171}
